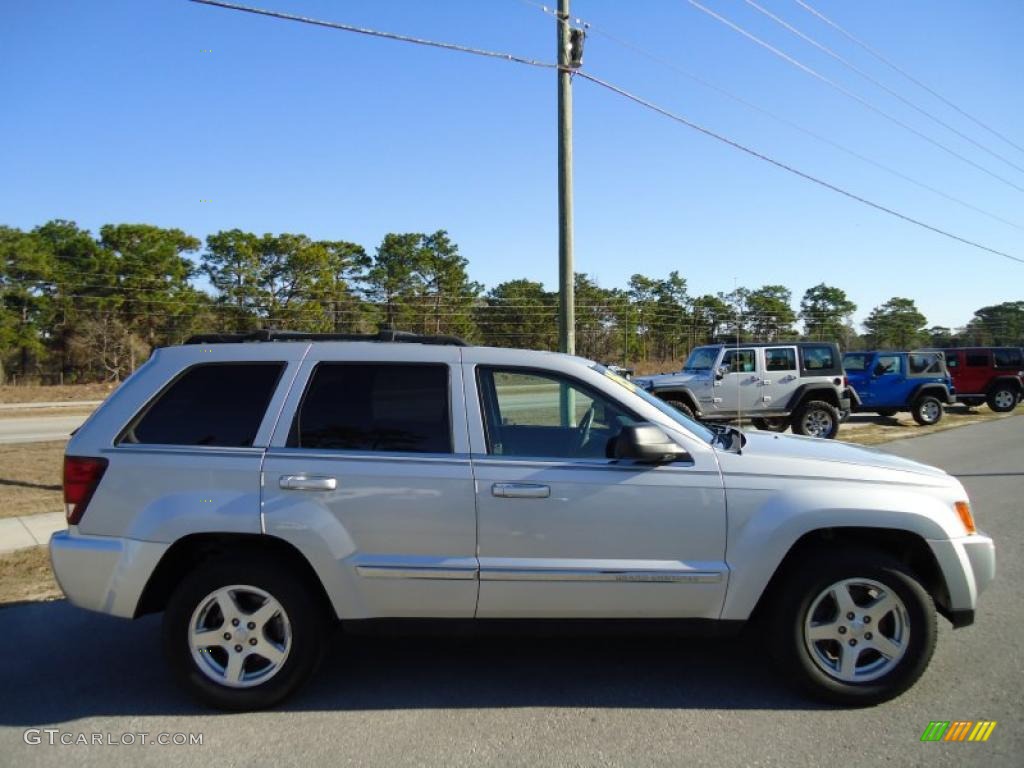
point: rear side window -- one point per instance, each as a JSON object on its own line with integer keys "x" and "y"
{"x": 218, "y": 404}
{"x": 1007, "y": 358}
{"x": 780, "y": 359}
{"x": 977, "y": 360}
{"x": 372, "y": 407}
{"x": 819, "y": 358}
{"x": 923, "y": 364}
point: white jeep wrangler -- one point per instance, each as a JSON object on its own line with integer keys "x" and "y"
{"x": 258, "y": 489}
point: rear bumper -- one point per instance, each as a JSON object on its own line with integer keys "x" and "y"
{"x": 969, "y": 566}
{"x": 102, "y": 573}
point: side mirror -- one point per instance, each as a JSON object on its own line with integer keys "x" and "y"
{"x": 647, "y": 443}
{"x": 721, "y": 371}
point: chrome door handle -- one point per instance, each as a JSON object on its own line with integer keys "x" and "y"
{"x": 520, "y": 491}
{"x": 308, "y": 483}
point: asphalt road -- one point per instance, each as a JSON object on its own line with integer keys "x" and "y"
{"x": 34, "y": 429}
{"x": 540, "y": 701}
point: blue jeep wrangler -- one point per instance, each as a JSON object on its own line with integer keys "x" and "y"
{"x": 887, "y": 382}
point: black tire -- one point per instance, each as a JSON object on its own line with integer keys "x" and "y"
{"x": 780, "y": 424}
{"x": 305, "y": 615}
{"x": 1003, "y": 398}
{"x": 927, "y": 410}
{"x": 887, "y": 412}
{"x": 682, "y": 406}
{"x": 797, "y": 594}
{"x": 817, "y": 412}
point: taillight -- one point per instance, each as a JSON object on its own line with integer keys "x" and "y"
{"x": 81, "y": 476}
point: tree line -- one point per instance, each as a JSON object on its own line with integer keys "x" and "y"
{"x": 75, "y": 306}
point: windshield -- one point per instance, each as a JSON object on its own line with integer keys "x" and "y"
{"x": 701, "y": 359}
{"x": 692, "y": 426}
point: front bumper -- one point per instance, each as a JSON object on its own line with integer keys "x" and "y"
{"x": 103, "y": 573}
{"x": 968, "y": 565}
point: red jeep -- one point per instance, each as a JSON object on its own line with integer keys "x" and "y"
{"x": 993, "y": 375}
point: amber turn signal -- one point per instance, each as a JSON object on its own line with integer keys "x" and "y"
{"x": 963, "y": 508}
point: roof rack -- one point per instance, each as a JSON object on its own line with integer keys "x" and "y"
{"x": 275, "y": 335}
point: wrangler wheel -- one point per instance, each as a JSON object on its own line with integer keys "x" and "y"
{"x": 1002, "y": 399}
{"x": 927, "y": 410}
{"x": 817, "y": 419}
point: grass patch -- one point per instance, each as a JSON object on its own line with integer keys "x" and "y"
{"x": 26, "y": 575}
{"x": 883, "y": 430}
{"x": 30, "y": 478}
{"x": 41, "y": 413}
{"x": 36, "y": 393}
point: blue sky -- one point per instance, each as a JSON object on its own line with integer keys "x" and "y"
{"x": 114, "y": 113}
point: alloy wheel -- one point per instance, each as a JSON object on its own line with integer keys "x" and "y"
{"x": 857, "y": 630}
{"x": 817, "y": 423}
{"x": 239, "y": 636}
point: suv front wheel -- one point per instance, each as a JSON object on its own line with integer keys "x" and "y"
{"x": 817, "y": 419}
{"x": 855, "y": 627}
{"x": 242, "y": 634}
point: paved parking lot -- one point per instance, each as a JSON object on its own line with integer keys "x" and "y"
{"x": 445, "y": 701}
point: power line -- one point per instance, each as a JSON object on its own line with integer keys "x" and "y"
{"x": 850, "y": 36}
{"x": 377, "y": 33}
{"x": 649, "y": 105}
{"x": 846, "y": 92}
{"x": 736, "y": 145}
{"x": 845, "y": 62}
{"x": 796, "y": 126}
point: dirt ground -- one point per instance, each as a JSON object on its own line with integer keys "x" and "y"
{"x": 30, "y": 478}
{"x": 26, "y": 575}
{"x": 56, "y": 393}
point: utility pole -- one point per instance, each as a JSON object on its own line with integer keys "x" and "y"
{"x": 566, "y": 275}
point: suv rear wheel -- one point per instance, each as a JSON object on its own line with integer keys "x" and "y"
{"x": 817, "y": 419}
{"x": 926, "y": 410}
{"x": 854, "y": 627}
{"x": 1002, "y": 399}
{"x": 242, "y": 634}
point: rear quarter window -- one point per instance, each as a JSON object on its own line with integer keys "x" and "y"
{"x": 217, "y": 404}
{"x": 1007, "y": 358}
{"x": 819, "y": 358}
{"x": 375, "y": 407}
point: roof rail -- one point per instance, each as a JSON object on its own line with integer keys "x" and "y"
{"x": 275, "y": 335}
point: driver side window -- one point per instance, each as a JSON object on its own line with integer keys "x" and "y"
{"x": 543, "y": 415}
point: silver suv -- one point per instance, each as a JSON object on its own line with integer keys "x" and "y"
{"x": 778, "y": 385}
{"x": 258, "y": 489}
